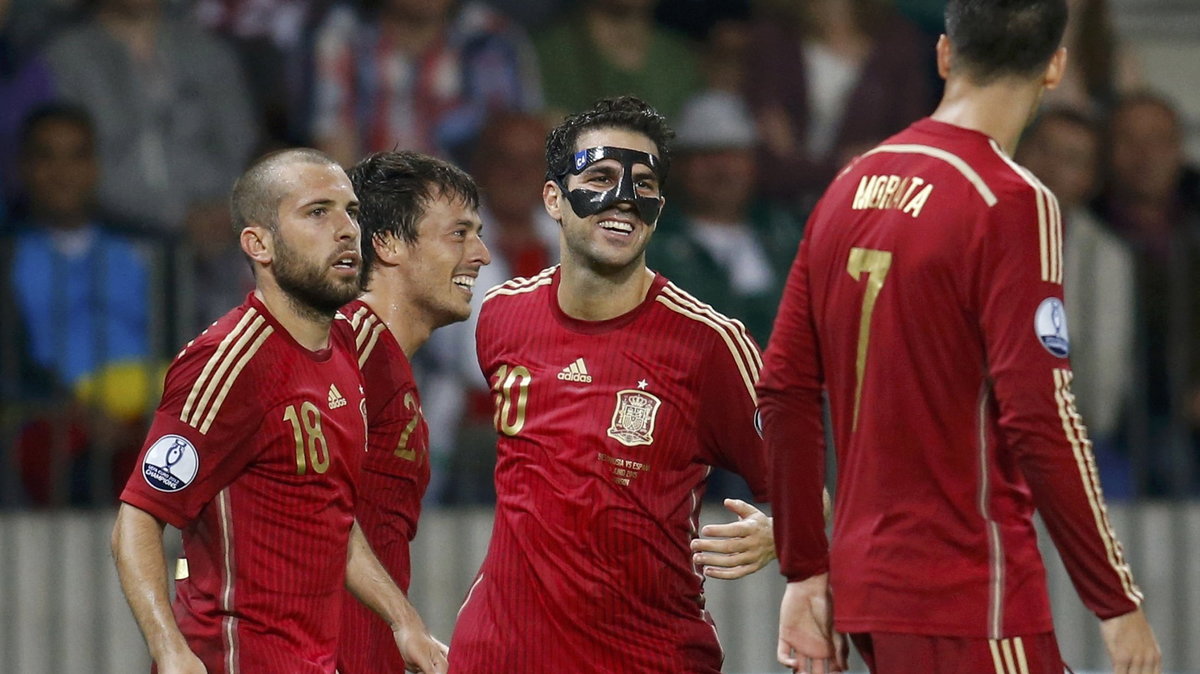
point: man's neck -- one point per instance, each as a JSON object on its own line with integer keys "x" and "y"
{"x": 387, "y": 299}
{"x": 308, "y": 328}
{"x": 1000, "y": 110}
{"x": 590, "y": 295}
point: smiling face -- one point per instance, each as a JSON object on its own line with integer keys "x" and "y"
{"x": 312, "y": 251}
{"x": 439, "y": 269}
{"x": 616, "y": 237}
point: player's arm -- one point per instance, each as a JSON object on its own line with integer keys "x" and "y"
{"x": 137, "y": 547}
{"x": 1022, "y": 319}
{"x": 790, "y": 395}
{"x": 738, "y": 548}
{"x": 370, "y": 583}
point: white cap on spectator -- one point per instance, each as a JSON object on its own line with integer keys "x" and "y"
{"x": 715, "y": 120}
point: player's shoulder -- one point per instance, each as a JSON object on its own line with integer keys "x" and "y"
{"x": 358, "y": 328}
{"x": 519, "y": 290}
{"x": 707, "y": 325}
{"x": 233, "y": 350}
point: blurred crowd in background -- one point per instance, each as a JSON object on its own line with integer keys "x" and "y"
{"x": 123, "y": 124}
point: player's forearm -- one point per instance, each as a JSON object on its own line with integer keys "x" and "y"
{"x": 370, "y": 583}
{"x": 137, "y": 549}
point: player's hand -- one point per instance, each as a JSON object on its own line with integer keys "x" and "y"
{"x": 807, "y": 642}
{"x": 421, "y": 652}
{"x": 738, "y": 548}
{"x": 185, "y": 662}
{"x": 1131, "y": 645}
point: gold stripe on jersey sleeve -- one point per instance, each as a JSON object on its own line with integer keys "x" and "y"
{"x": 739, "y": 328}
{"x": 365, "y": 352}
{"x": 1056, "y": 230}
{"x": 521, "y": 285}
{"x": 1081, "y": 446}
{"x": 364, "y": 331}
{"x": 747, "y": 369}
{"x": 233, "y": 375}
{"x": 214, "y": 360}
{"x": 1050, "y": 238}
{"x": 230, "y": 357}
{"x": 950, "y": 158}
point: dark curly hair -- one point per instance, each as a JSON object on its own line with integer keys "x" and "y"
{"x": 622, "y": 112}
{"x": 395, "y": 188}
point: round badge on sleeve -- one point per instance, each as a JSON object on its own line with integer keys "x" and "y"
{"x": 1050, "y": 325}
{"x": 171, "y": 463}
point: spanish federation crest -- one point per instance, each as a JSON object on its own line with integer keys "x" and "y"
{"x": 633, "y": 419}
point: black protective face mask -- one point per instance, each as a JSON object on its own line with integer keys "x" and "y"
{"x": 590, "y": 202}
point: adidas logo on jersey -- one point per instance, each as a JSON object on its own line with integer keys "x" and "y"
{"x": 576, "y": 371}
{"x": 335, "y": 398}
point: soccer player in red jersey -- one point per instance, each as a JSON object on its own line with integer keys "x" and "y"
{"x": 615, "y": 393}
{"x": 254, "y": 452}
{"x": 422, "y": 252}
{"x": 926, "y": 302}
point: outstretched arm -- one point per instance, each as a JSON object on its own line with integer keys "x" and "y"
{"x": 738, "y": 548}
{"x": 137, "y": 548}
{"x": 370, "y": 583}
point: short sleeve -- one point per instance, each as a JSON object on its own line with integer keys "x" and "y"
{"x": 727, "y": 407}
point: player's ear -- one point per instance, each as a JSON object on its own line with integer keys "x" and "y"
{"x": 1055, "y": 69}
{"x": 387, "y": 248}
{"x": 550, "y": 199}
{"x": 257, "y": 243}
{"x": 943, "y": 56}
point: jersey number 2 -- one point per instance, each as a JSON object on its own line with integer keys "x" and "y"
{"x": 511, "y": 391}
{"x": 875, "y": 264}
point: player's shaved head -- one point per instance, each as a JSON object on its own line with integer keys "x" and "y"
{"x": 258, "y": 193}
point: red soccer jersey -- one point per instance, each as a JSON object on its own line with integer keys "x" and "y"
{"x": 394, "y": 476}
{"x": 607, "y": 433}
{"x": 927, "y": 299}
{"x": 253, "y": 454}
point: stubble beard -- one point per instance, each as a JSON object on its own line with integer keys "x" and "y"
{"x": 310, "y": 292}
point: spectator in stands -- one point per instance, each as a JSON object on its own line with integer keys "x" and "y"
{"x": 861, "y": 77}
{"x": 267, "y": 36}
{"x": 25, "y": 83}
{"x": 613, "y": 47}
{"x": 1062, "y": 148}
{"x": 509, "y": 165}
{"x": 417, "y": 74}
{"x": 1101, "y": 67}
{"x": 717, "y": 241}
{"x": 173, "y": 120}
{"x": 1152, "y": 199}
{"x": 81, "y": 291}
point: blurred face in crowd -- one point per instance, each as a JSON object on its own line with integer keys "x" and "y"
{"x": 420, "y": 10}
{"x": 1065, "y": 155}
{"x": 717, "y": 183}
{"x": 59, "y": 169}
{"x": 1147, "y": 152}
{"x": 510, "y": 166}
{"x": 314, "y": 244}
